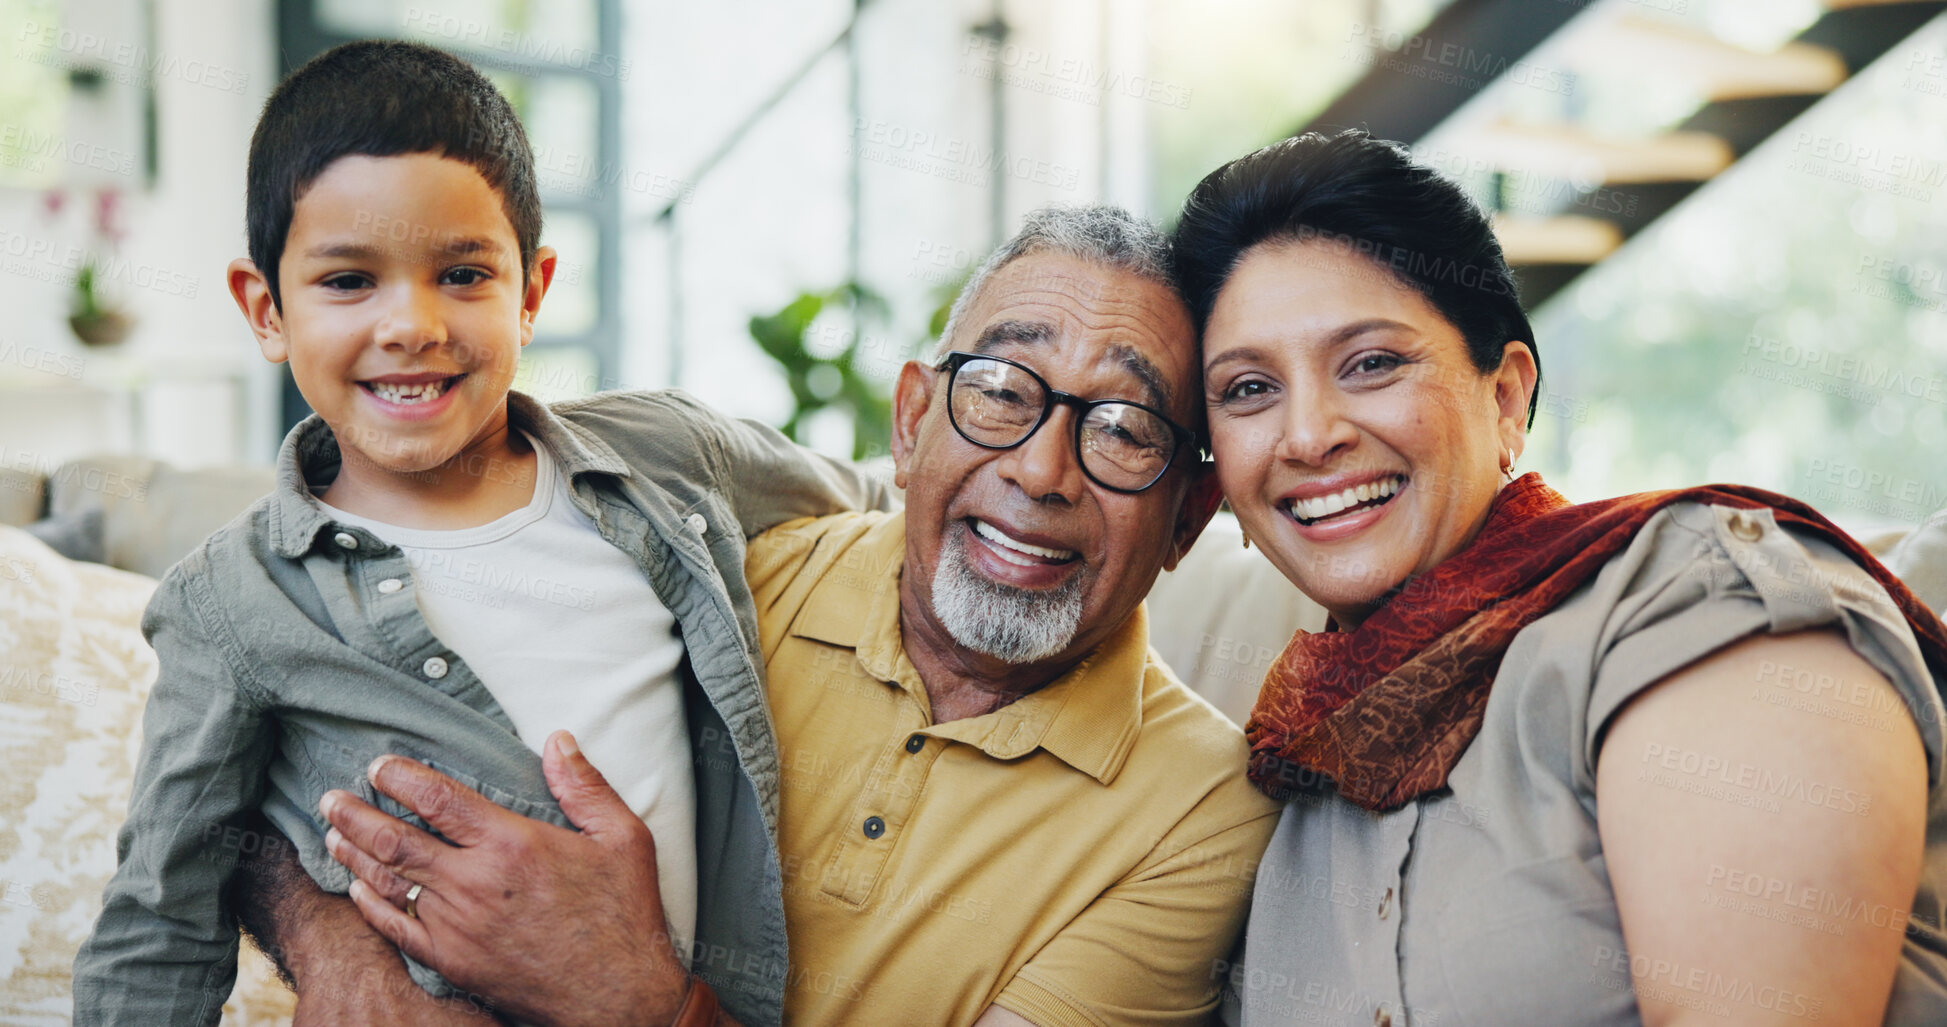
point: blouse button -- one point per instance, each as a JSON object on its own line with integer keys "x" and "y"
{"x": 1744, "y": 526}
{"x": 391, "y": 585}
{"x": 345, "y": 540}
{"x": 435, "y": 668}
{"x": 1386, "y": 904}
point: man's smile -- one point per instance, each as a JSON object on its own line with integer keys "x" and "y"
{"x": 1011, "y": 557}
{"x": 1015, "y": 550}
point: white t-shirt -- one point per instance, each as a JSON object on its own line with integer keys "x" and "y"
{"x": 565, "y": 631}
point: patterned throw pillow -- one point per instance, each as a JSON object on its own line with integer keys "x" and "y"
{"x": 74, "y": 671}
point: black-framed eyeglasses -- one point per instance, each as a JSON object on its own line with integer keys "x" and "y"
{"x": 996, "y": 403}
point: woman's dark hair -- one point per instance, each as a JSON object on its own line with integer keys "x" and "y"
{"x": 383, "y": 99}
{"x": 1370, "y": 195}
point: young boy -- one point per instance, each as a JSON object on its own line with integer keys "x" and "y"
{"x": 447, "y": 570}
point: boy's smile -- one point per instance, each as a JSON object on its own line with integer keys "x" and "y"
{"x": 404, "y": 313}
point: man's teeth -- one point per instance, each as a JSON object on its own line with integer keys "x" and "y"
{"x": 1326, "y": 506}
{"x": 1001, "y": 539}
{"x": 424, "y": 392}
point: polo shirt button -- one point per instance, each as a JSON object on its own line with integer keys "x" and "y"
{"x": 874, "y": 827}
{"x": 1386, "y": 904}
{"x": 698, "y": 524}
{"x": 435, "y": 668}
{"x": 345, "y": 540}
{"x": 916, "y": 743}
{"x": 391, "y": 585}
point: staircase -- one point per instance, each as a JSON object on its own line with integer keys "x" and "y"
{"x": 1580, "y": 123}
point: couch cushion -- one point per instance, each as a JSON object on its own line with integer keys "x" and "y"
{"x": 154, "y": 514}
{"x": 74, "y": 671}
{"x": 1920, "y": 559}
{"x": 1223, "y": 615}
{"x": 77, "y": 535}
{"x": 71, "y": 689}
{"x": 23, "y": 495}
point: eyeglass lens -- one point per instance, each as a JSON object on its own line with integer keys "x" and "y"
{"x": 1122, "y": 445}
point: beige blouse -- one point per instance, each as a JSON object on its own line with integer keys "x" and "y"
{"x": 1488, "y": 903}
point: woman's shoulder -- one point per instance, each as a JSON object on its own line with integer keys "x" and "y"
{"x": 1699, "y": 577}
{"x": 1691, "y": 554}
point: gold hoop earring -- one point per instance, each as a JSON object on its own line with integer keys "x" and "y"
{"x": 1246, "y": 534}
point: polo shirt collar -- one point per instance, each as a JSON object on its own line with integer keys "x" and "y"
{"x": 1089, "y": 718}
{"x": 310, "y": 455}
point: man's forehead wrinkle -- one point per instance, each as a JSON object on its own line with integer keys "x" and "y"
{"x": 1156, "y": 386}
{"x": 1013, "y": 330}
{"x": 1139, "y": 321}
{"x": 1062, "y": 289}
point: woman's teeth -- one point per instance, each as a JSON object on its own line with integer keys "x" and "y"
{"x": 407, "y": 395}
{"x": 1308, "y": 510}
{"x": 1006, "y": 543}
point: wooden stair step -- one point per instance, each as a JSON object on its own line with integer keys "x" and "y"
{"x": 1569, "y": 152}
{"x": 1641, "y": 47}
{"x": 1564, "y": 239}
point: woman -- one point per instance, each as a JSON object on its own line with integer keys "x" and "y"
{"x": 1670, "y": 758}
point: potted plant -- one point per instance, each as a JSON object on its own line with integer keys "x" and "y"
{"x": 94, "y": 322}
{"x": 94, "y": 318}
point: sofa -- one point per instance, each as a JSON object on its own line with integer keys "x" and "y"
{"x": 73, "y": 674}
{"x": 74, "y": 671}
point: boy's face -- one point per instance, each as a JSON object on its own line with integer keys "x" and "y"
{"x": 404, "y": 310}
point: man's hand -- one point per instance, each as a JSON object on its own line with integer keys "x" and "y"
{"x": 557, "y": 927}
{"x": 342, "y": 970}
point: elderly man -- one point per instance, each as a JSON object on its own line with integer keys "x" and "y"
{"x": 996, "y": 806}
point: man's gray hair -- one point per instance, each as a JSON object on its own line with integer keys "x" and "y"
{"x": 1099, "y": 233}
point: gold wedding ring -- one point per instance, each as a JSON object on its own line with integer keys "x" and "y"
{"x": 412, "y": 900}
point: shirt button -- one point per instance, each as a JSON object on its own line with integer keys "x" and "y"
{"x": 1744, "y": 526}
{"x": 1386, "y": 904}
{"x": 1381, "y": 1018}
{"x": 345, "y": 540}
{"x": 916, "y": 743}
{"x": 874, "y": 827}
{"x": 698, "y": 524}
{"x": 391, "y": 585}
{"x": 435, "y": 668}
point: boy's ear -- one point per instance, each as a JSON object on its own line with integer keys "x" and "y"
{"x": 251, "y": 290}
{"x": 538, "y": 281}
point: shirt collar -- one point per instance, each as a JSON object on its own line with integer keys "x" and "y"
{"x": 1089, "y": 718}
{"x": 310, "y": 455}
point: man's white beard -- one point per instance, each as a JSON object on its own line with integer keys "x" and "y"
{"x": 1010, "y": 624}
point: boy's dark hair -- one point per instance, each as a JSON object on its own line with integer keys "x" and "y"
{"x": 1369, "y": 194}
{"x": 383, "y": 99}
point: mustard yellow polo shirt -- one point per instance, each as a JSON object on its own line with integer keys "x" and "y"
{"x": 1082, "y": 856}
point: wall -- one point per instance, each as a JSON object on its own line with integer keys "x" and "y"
{"x": 187, "y": 384}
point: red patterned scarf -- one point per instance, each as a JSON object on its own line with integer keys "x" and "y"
{"x": 1386, "y": 710}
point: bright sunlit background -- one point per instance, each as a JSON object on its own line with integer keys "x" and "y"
{"x": 1727, "y": 214}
